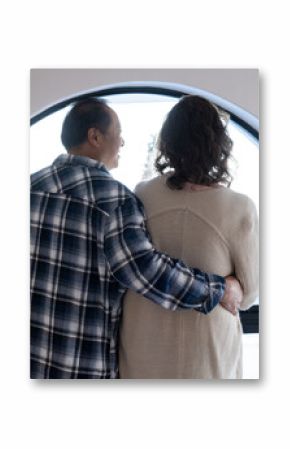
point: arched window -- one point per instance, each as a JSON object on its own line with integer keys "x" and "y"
{"x": 141, "y": 110}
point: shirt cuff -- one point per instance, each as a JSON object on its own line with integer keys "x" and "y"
{"x": 216, "y": 290}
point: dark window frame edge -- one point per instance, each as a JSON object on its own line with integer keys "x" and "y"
{"x": 134, "y": 90}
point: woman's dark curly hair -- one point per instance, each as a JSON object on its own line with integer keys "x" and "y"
{"x": 194, "y": 142}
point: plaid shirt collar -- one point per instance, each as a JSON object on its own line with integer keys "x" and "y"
{"x": 71, "y": 159}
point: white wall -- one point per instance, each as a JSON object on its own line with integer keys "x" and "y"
{"x": 239, "y": 86}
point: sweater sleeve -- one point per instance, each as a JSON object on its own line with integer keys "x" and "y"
{"x": 137, "y": 265}
{"x": 246, "y": 253}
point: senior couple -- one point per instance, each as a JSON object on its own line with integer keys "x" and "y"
{"x": 115, "y": 294}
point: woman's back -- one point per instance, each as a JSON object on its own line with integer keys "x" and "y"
{"x": 215, "y": 230}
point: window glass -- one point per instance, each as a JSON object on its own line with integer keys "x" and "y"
{"x": 141, "y": 116}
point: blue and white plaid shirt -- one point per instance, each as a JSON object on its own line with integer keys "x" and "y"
{"x": 88, "y": 245}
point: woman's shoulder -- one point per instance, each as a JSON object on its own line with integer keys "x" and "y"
{"x": 240, "y": 212}
{"x": 237, "y": 200}
{"x": 150, "y": 185}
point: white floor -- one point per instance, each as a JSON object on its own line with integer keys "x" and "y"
{"x": 251, "y": 356}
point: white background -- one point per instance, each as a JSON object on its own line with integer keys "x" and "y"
{"x": 159, "y": 414}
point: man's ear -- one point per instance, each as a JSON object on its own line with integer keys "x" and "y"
{"x": 94, "y": 137}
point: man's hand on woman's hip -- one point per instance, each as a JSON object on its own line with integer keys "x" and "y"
{"x": 233, "y": 295}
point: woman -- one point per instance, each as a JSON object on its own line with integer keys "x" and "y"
{"x": 194, "y": 216}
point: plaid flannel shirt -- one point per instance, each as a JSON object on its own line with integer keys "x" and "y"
{"x": 88, "y": 245}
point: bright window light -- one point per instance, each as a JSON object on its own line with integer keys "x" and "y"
{"x": 141, "y": 117}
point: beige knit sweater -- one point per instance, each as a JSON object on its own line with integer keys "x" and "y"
{"x": 215, "y": 230}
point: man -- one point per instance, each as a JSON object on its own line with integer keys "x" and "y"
{"x": 88, "y": 245}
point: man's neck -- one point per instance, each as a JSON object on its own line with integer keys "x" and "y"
{"x": 85, "y": 152}
{"x": 88, "y": 153}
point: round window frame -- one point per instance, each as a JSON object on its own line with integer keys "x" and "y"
{"x": 239, "y": 116}
{"x": 246, "y": 121}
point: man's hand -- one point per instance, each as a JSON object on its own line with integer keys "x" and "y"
{"x": 233, "y": 295}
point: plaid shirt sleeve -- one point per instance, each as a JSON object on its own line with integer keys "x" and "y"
{"x": 137, "y": 265}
